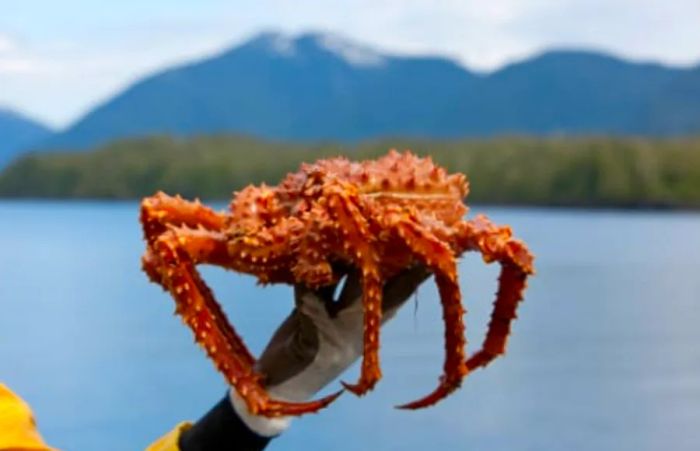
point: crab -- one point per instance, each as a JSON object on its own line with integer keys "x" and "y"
{"x": 377, "y": 216}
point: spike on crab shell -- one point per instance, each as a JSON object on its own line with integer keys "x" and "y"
{"x": 411, "y": 182}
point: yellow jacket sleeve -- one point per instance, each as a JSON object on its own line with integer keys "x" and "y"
{"x": 168, "y": 442}
{"x": 17, "y": 425}
{"x": 18, "y": 429}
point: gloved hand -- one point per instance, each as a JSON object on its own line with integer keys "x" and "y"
{"x": 319, "y": 340}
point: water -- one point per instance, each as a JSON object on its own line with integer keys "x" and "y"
{"x": 604, "y": 356}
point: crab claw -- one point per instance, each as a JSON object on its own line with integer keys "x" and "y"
{"x": 274, "y": 408}
{"x": 357, "y": 389}
{"x": 444, "y": 389}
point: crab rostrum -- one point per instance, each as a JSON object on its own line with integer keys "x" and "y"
{"x": 379, "y": 217}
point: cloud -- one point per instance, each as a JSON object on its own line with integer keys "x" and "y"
{"x": 6, "y": 44}
{"x": 15, "y": 59}
{"x": 16, "y": 66}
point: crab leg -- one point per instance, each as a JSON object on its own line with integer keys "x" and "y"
{"x": 160, "y": 213}
{"x": 201, "y": 247}
{"x": 172, "y": 257}
{"x": 438, "y": 257}
{"x": 342, "y": 207}
{"x": 496, "y": 244}
{"x": 160, "y": 210}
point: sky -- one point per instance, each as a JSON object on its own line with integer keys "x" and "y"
{"x": 59, "y": 59}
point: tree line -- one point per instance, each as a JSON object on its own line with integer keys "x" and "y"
{"x": 561, "y": 171}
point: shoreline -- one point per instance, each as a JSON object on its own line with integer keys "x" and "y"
{"x": 640, "y": 207}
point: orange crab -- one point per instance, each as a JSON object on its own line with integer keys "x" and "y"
{"x": 379, "y": 216}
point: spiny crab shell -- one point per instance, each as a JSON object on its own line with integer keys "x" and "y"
{"x": 378, "y": 216}
{"x": 291, "y": 225}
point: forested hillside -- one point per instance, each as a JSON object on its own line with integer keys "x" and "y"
{"x": 590, "y": 172}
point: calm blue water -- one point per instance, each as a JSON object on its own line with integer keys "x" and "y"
{"x": 605, "y": 355}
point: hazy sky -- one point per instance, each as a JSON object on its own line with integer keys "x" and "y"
{"x": 60, "y": 58}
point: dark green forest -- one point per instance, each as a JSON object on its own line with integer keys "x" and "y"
{"x": 566, "y": 171}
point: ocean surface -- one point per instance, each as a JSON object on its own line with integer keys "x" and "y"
{"x": 605, "y": 354}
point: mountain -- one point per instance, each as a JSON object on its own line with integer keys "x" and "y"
{"x": 18, "y": 133}
{"x": 571, "y": 92}
{"x": 678, "y": 110}
{"x": 322, "y": 86}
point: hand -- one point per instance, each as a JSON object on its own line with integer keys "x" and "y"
{"x": 319, "y": 340}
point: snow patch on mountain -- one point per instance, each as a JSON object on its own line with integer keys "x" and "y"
{"x": 283, "y": 45}
{"x": 275, "y": 43}
{"x": 352, "y": 53}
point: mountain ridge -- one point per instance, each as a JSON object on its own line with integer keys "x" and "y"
{"x": 318, "y": 86}
{"x": 18, "y": 132}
